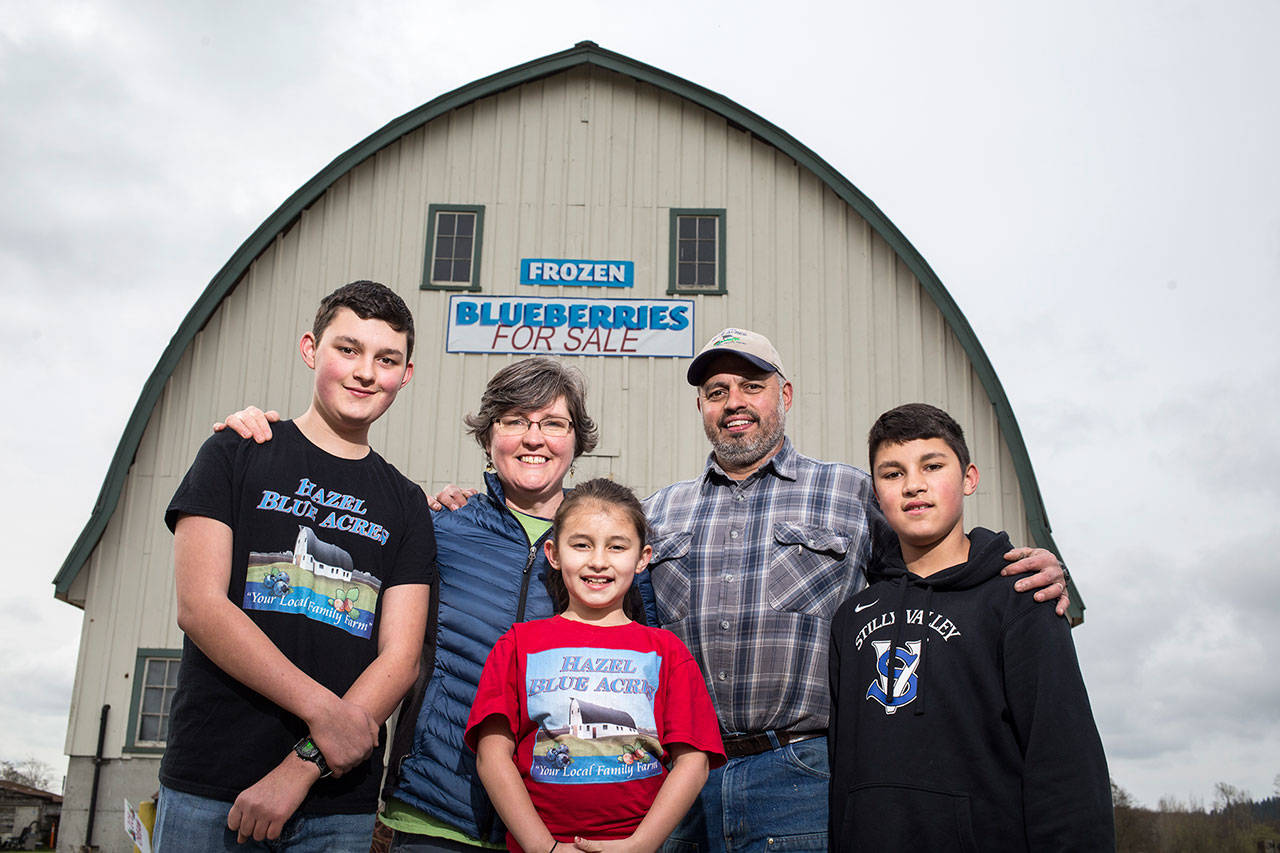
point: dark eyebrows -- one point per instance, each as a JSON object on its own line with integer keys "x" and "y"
{"x": 355, "y": 343}
{"x": 742, "y": 379}
{"x": 931, "y": 456}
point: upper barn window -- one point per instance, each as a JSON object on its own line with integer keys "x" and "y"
{"x": 697, "y": 251}
{"x": 454, "y": 233}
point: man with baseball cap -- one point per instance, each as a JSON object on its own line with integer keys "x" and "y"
{"x": 751, "y": 560}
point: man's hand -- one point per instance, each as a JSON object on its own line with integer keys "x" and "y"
{"x": 451, "y": 497}
{"x": 250, "y": 422}
{"x": 261, "y": 810}
{"x": 1049, "y": 580}
{"x": 345, "y": 733}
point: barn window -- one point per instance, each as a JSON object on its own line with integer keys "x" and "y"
{"x": 697, "y": 251}
{"x": 155, "y": 677}
{"x": 454, "y": 233}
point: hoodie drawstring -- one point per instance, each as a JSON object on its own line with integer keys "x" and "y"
{"x": 924, "y": 647}
{"x": 899, "y": 621}
{"x": 899, "y": 625}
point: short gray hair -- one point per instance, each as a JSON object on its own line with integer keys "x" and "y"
{"x": 528, "y": 385}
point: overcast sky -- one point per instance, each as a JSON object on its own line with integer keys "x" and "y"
{"x": 1095, "y": 184}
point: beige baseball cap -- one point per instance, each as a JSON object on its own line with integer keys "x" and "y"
{"x": 750, "y": 346}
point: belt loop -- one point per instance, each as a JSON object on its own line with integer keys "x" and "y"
{"x": 774, "y": 743}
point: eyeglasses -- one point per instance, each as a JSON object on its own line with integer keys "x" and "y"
{"x": 516, "y": 425}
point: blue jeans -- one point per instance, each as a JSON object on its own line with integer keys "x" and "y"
{"x": 773, "y": 801}
{"x": 185, "y": 822}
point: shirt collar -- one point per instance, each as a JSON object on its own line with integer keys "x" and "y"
{"x": 782, "y": 464}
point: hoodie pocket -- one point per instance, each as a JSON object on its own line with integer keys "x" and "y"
{"x": 903, "y": 817}
{"x": 669, "y": 574}
{"x": 805, "y": 571}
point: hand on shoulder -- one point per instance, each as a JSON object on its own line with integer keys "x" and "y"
{"x": 250, "y": 422}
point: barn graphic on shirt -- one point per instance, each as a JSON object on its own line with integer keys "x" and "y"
{"x": 312, "y": 554}
{"x": 317, "y": 580}
{"x": 589, "y": 721}
{"x": 595, "y": 716}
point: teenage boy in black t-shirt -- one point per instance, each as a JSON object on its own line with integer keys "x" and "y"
{"x": 302, "y": 572}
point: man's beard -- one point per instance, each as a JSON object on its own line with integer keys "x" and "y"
{"x": 744, "y": 452}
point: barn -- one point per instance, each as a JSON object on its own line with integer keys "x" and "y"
{"x": 589, "y": 721}
{"x": 584, "y": 205}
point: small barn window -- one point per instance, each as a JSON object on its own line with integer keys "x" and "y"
{"x": 454, "y": 233}
{"x": 155, "y": 679}
{"x": 697, "y": 251}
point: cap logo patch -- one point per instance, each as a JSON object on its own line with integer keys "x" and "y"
{"x": 728, "y": 336}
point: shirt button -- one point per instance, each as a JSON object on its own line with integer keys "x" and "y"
{"x": 722, "y": 675}
{"x": 733, "y": 534}
{"x": 724, "y": 623}
{"x": 728, "y": 578}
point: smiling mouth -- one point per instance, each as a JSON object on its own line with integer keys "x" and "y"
{"x": 593, "y": 581}
{"x": 737, "y": 423}
{"x": 361, "y": 392}
{"x": 533, "y": 460}
{"x": 916, "y": 507}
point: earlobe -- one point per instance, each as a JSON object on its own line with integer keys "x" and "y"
{"x": 549, "y": 548}
{"x": 971, "y": 479}
{"x": 646, "y": 556}
{"x": 786, "y": 396}
{"x": 408, "y": 374}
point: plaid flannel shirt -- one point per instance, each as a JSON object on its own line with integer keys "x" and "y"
{"x": 748, "y": 574}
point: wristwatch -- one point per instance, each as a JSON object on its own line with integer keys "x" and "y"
{"x": 307, "y": 750}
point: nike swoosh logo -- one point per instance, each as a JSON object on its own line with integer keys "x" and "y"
{"x": 858, "y": 608}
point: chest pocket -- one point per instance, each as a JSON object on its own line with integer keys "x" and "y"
{"x": 808, "y": 569}
{"x": 669, "y": 574}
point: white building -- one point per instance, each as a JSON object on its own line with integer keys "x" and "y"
{"x": 310, "y": 554}
{"x": 597, "y": 205}
{"x": 589, "y": 721}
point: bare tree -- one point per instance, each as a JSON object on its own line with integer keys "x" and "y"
{"x": 28, "y": 771}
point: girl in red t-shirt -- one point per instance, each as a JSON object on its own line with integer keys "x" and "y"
{"x": 590, "y": 729}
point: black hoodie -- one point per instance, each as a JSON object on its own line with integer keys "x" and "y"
{"x": 988, "y": 741}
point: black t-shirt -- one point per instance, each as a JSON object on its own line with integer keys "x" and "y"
{"x": 316, "y": 540}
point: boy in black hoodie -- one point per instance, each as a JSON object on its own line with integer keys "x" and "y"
{"x": 959, "y": 719}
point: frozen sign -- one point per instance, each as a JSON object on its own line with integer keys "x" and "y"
{"x": 560, "y": 271}
{"x": 556, "y": 326}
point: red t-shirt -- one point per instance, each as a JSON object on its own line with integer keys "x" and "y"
{"x": 591, "y": 708}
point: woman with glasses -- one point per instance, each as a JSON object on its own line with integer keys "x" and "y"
{"x": 532, "y": 424}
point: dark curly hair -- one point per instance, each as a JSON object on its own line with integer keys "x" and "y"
{"x": 913, "y": 421}
{"x": 367, "y": 300}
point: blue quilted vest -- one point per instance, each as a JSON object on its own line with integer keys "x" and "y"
{"x": 489, "y": 578}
